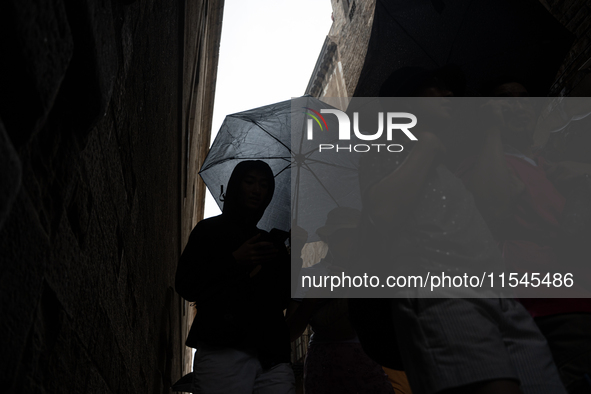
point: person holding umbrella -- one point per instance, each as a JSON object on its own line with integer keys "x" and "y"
{"x": 239, "y": 278}
{"x": 424, "y": 218}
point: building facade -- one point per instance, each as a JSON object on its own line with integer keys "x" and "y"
{"x": 343, "y": 53}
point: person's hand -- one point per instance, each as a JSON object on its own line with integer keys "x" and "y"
{"x": 254, "y": 252}
{"x": 428, "y": 140}
{"x": 565, "y": 171}
{"x": 516, "y": 186}
{"x": 492, "y": 114}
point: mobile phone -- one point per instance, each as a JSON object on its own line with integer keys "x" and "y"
{"x": 279, "y": 235}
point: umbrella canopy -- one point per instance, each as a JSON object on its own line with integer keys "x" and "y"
{"x": 258, "y": 134}
{"x": 487, "y": 38}
{"x": 308, "y": 183}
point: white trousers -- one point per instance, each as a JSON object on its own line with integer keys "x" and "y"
{"x": 221, "y": 370}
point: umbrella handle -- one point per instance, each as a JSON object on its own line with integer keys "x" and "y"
{"x": 222, "y": 196}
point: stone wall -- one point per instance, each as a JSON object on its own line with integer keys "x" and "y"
{"x": 573, "y": 77}
{"x": 108, "y": 105}
{"x": 342, "y": 56}
{"x": 351, "y": 32}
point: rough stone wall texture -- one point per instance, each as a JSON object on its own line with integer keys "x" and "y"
{"x": 351, "y": 31}
{"x": 573, "y": 78}
{"x": 575, "y": 15}
{"x": 341, "y": 59}
{"x": 203, "y": 25}
{"x": 96, "y": 100}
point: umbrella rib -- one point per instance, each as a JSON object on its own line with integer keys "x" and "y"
{"x": 271, "y": 135}
{"x": 284, "y": 168}
{"x": 330, "y": 164}
{"x": 307, "y": 154}
{"x": 295, "y": 207}
{"x": 458, "y": 32}
{"x": 311, "y": 151}
{"x": 410, "y": 36}
{"x": 321, "y": 184}
{"x": 242, "y": 158}
{"x": 302, "y": 140}
{"x": 308, "y": 159}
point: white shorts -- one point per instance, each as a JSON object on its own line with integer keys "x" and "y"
{"x": 453, "y": 342}
{"x": 222, "y": 370}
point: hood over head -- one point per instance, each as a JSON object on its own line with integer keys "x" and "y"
{"x": 232, "y": 196}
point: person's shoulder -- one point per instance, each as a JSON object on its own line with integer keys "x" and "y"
{"x": 213, "y": 220}
{"x": 210, "y": 224}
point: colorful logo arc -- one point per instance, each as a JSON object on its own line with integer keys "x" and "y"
{"x": 315, "y": 116}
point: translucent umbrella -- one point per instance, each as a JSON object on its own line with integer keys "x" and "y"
{"x": 308, "y": 182}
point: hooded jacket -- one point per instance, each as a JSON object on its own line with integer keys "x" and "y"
{"x": 234, "y": 309}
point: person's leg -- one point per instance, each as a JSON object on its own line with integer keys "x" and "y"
{"x": 317, "y": 369}
{"x": 569, "y": 338}
{"x": 343, "y": 367}
{"x": 494, "y": 387}
{"x": 528, "y": 351}
{"x": 218, "y": 370}
{"x": 277, "y": 380}
{"x": 398, "y": 381}
{"x": 453, "y": 345}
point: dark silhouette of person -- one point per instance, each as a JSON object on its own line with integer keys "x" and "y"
{"x": 520, "y": 191}
{"x": 425, "y": 220}
{"x": 335, "y": 361}
{"x": 239, "y": 278}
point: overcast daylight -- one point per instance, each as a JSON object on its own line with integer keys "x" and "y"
{"x": 267, "y": 54}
